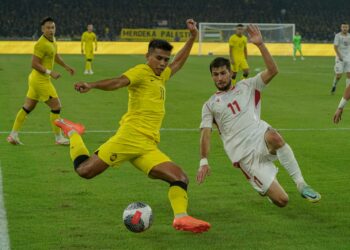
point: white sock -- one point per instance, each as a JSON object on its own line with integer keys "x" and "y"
{"x": 287, "y": 159}
{"x": 58, "y": 136}
{"x": 335, "y": 81}
{"x": 347, "y": 82}
{"x": 14, "y": 133}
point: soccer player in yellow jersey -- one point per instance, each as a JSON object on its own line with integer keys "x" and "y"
{"x": 238, "y": 53}
{"x": 88, "y": 39}
{"x": 138, "y": 135}
{"x": 39, "y": 81}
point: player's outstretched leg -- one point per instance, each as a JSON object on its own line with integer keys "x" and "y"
{"x": 177, "y": 195}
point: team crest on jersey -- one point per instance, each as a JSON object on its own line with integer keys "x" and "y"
{"x": 217, "y": 100}
{"x": 113, "y": 157}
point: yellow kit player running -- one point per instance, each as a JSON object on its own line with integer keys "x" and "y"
{"x": 138, "y": 135}
{"x": 238, "y": 53}
{"x": 39, "y": 81}
{"x": 87, "y": 47}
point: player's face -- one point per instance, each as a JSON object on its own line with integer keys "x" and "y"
{"x": 222, "y": 78}
{"x": 239, "y": 31}
{"x": 158, "y": 60}
{"x": 344, "y": 28}
{"x": 49, "y": 29}
{"x": 90, "y": 27}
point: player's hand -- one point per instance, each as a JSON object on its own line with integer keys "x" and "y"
{"x": 254, "y": 34}
{"x": 203, "y": 172}
{"x": 82, "y": 51}
{"x": 337, "y": 115}
{"x": 192, "y": 27}
{"x": 82, "y": 87}
{"x": 55, "y": 75}
{"x": 70, "y": 70}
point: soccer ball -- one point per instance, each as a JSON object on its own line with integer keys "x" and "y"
{"x": 138, "y": 217}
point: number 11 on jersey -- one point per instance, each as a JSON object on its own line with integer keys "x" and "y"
{"x": 234, "y": 107}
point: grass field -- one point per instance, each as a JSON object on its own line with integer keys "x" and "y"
{"x": 49, "y": 207}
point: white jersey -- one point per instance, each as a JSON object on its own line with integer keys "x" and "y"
{"x": 237, "y": 115}
{"x": 343, "y": 44}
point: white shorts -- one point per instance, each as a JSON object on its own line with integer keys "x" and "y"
{"x": 341, "y": 67}
{"x": 258, "y": 167}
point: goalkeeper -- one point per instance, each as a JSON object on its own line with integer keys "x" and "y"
{"x": 297, "y": 46}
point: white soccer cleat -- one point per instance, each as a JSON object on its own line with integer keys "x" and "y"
{"x": 91, "y": 72}
{"x": 62, "y": 141}
{"x": 14, "y": 140}
{"x": 86, "y": 72}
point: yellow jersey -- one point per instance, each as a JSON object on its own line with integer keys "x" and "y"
{"x": 88, "y": 38}
{"x": 238, "y": 44}
{"x": 46, "y": 50}
{"x": 146, "y": 103}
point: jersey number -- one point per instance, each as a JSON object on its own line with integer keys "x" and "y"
{"x": 234, "y": 107}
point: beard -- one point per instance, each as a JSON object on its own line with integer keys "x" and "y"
{"x": 225, "y": 87}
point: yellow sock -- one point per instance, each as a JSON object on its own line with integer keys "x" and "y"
{"x": 56, "y": 130}
{"x": 88, "y": 65}
{"x": 178, "y": 199}
{"x": 21, "y": 116}
{"x": 77, "y": 147}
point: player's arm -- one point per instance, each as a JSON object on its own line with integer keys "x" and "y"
{"x": 232, "y": 60}
{"x": 95, "y": 43}
{"x": 107, "y": 84}
{"x": 59, "y": 60}
{"x": 338, "y": 53}
{"x": 82, "y": 43}
{"x": 37, "y": 65}
{"x": 271, "y": 67}
{"x": 183, "y": 54}
{"x": 204, "y": 168}
{"x": 342, "y": 103}
{"x": 245, "y": 52}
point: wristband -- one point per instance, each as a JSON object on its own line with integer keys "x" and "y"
{"x": 48, "y": 72}
{"x": 342, "y": 103}
{"x": 203, "y": 161}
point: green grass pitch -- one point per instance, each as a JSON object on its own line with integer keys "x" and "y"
{"x": 50, "y": 207}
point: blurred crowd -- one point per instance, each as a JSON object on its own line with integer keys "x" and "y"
{"x": 317, "y": 21}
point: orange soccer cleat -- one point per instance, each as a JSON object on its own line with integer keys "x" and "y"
{"x": 67, "y": 126}
{"x": 188, "y": 223}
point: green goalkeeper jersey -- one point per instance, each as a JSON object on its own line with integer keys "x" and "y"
{"x": 297, "y": 40}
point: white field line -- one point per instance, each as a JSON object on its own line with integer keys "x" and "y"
{"x": 185, "y": 130}
{"x": 4, "y": 236}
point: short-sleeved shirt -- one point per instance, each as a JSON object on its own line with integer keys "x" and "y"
{"x": 46, "y": 50}
{"x": 88, "y": 38}
{"x": 343, "y": 44}
{"x": 236, "y": 113}
{"x": 146, "y": 104}
{"x": 238, "y": 43}
{"x": 297, "y": 40}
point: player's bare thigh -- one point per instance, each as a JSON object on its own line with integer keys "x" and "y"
{"x": 91, "y": 167}
{"x": 273, "y": 140}
{"x": 54, "y": 103}
{"x": 277, "y": 194}
{"x": 168, "y": 171}
{"x": 29, "y": 104}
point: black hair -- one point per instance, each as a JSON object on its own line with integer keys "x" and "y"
{"x": 159, "y": 44}
{"x": 345, "y": 23}
{"x": 219, "y": 62}
{"x": 46, "y": 19}
{"x": 239, "y": 25}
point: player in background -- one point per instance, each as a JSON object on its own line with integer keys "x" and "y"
{"x": 338, "y": 113}
{"x": 251, "y": 144}
{"x": 40, "y": 85}
{"x": 138, "y": 135}
{"x": 88, "y": 39}
{"x": 297, "y": 46}
{"x": 342, "y": 59}
{"x": 238, "y": 53}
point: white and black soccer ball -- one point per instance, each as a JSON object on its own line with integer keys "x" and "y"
{"x": 138, "y": 217}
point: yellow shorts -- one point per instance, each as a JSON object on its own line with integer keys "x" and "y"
{"x": 239, "y": 65}
{"x": 143, "y": 157}
{"x": 41, "y": 90}
{"x": 89, "y": 54}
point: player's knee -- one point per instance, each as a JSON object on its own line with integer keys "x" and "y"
{"x": 56, "y": 111}
{"x": 245, "y": 74}
{"x": 275, "y": 139}
{"x": 180, "y": 184}
{"x": 82, "y": 168}
{"x": 282, "y": 200}
{"x": 27, "y": 110}
{"x": 182, "y": 177}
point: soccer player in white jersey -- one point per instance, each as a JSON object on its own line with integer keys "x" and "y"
{"x": 251, "y": 144}
{"x": 342, "y": 59}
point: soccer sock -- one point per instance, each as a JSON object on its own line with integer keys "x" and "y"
{"x": 287, "y": 159}
{"x": 55, "y": 114}
{"x": 294, "y": 52}
{"x": 347, "y": 82}
{"x": 88, "y": 65}
{"x": 20, "y": 118}
{"x": 77, "y": 147}
{"x": 335, "y": 81}
{"x": 178, "y": 198}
